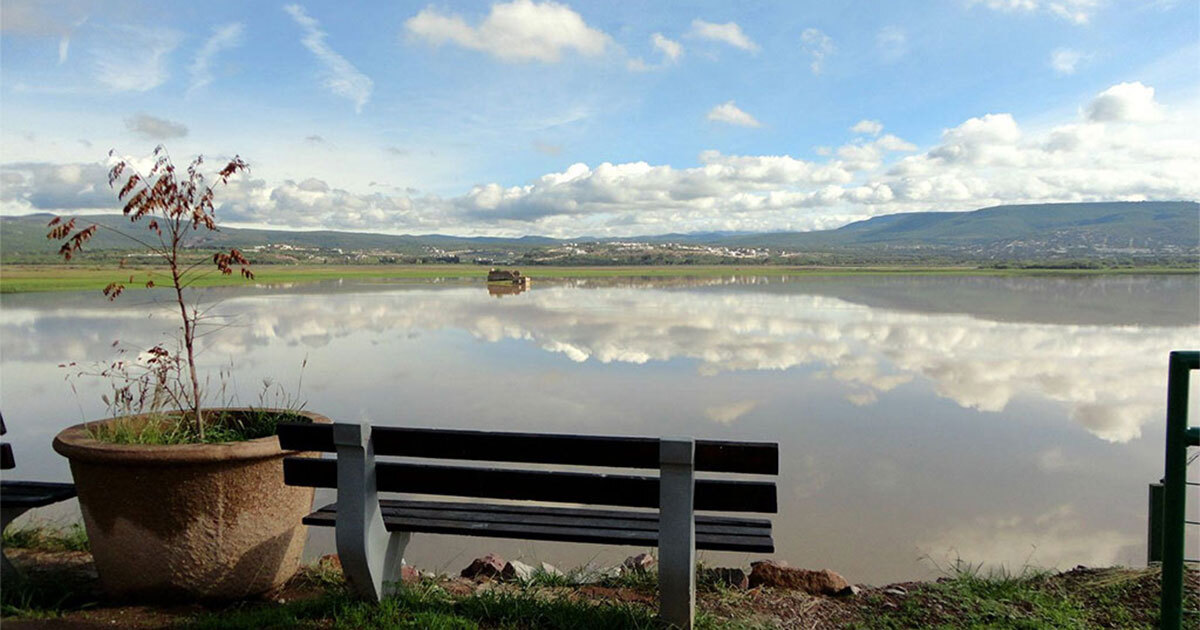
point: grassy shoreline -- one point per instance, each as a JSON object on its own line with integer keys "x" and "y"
{"x": 42, "y": 278}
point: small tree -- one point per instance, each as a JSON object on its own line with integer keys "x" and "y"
{"x": 175, "y": 206}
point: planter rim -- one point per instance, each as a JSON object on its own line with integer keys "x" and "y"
{"x": 75, "y": 443}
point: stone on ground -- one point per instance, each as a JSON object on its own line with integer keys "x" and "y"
{"x": 489, "y": 566}
{"x": 823, "y": 582}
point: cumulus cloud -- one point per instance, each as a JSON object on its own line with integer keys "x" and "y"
{"x": 155, "y": 128}
{"x": 223, "y": 38}
{"x": 1125, "y": 102}
{"x": 1055, "y": 539}
{"x": 339, "y": 75}
{"x": 671, "y": 50}
{"x": 40, "y": 187}
{"x": 517, "y": 31}
{"x": 731, "y": 114}
{"x": 872, "y": 127}
{"x": 1122, "y": 145}
{"x": 729, "y": 412}
{"x": 134, "y": 59}
{"x": 818, "y": 45}
{"x": 1065, "y": 61}
{"x": 727, "y": 33}
{"x": 1076, "y": 11}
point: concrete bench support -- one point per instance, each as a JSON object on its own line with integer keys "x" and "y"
{"x": 371, "y": 556}
{"x": 677, "y": 532}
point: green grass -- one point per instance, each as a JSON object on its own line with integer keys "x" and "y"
{"x": 40, "y": 278}
{"x": 428, "y": 606}
{"x": 971, "y": 599}
{"x": 175, "y": 429}
{"x": 44, "y": 537}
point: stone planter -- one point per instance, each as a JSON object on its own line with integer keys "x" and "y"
{"x": 187, "y": 522}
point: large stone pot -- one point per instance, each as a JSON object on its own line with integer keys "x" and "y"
{"x": 187, "y": 522}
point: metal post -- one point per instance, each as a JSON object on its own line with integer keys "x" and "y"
{"x": 1175, "y": 487}
{"x": 677, "y": 532}
{"x": 370, "y": 556}
{"x": 1154, "y": 523}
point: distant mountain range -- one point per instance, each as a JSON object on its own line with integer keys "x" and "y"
{"x": 1080, "y": 230}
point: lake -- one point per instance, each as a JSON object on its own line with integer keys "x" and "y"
{"x": 1006, "y": 420}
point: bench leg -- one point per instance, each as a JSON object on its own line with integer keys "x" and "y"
{"x": 8, "y": 515}
{"x": 677, "y": 532}
{"x": 371, "y": 556}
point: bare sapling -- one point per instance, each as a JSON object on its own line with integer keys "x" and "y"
{"x": 174, "y": 207}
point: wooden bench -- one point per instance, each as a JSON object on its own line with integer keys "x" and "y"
{"x": 18, "y": 497}
{"x": 657, "y": 511}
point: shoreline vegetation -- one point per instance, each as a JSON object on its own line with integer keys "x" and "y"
{"x": 27, "y": 278}
{"x": 59, "y": 588}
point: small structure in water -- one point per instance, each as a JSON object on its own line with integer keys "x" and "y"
{"x": 512, "y": 277}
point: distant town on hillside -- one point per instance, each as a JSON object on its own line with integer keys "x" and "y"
{"x": 1069, "y": 234}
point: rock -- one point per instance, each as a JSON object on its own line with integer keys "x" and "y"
{"x": 823, "y": 582}
{"x": 516, "y": 570}
{"x": 330, "y": 561}
{"x": 640, "y": 562}
{"x": 550, "y": 569}
{"x": 898, "y": 591}
{"x": 489, "y": 566}
{"x": 409, "y": 574}
{"x": 591, "y": 573}
{"x": 730, "y": 577}
{"x": 850, "y": 591}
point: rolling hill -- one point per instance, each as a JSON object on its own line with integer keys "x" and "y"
{"x": 1076, "y": 230}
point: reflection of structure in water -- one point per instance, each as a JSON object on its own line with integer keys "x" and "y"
{"x": 500, "y": 290}
{"x": 513, "y": 277}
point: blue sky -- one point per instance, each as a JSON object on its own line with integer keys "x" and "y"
{"x": 617, "y": 118}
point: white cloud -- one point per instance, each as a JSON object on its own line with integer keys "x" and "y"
{"x": 729, "y": 412}
{"x": 892, "y": 43}
{"x": 733, "y": 115}
{"x": 134, "y": 59}
{"x": 1056, "y": 539}
{"x": 223, "y": 38}
{"x": 728, "y": 33}
{"x": 516, "y": 31}
{"x": 818, "y": 45}
{"x": 155, "y": 128}
{"x": 1065, "y": 60}
{"x": 1076, "y": 11}
{"x": 670, "y": 49}
{"x": 1122, "y": 145}
{"x": 871, "y": 127}
{"x": 1125, "y": 102}
{"x": 340, "y": 76}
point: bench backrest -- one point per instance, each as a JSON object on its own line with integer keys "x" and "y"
{"x": 711, "y": 456}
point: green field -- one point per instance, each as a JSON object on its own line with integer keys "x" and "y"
{"x": 31, "y": 278}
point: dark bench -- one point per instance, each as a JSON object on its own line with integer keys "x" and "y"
{"x": 657, "y": 511}
{"x": 18, "y": 497}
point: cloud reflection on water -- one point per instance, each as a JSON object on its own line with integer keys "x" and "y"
{"x": 1107, "y": 376}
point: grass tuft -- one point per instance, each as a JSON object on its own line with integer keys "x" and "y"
{"x": 172, "y": 428}
{"x": 44, "y": 537}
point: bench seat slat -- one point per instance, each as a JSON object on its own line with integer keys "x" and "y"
{"x": 401, "y": 521}
{"x": 538, "y": 448}
{"x": 34, "y": 494}
{"x": 510, "y": 508}
{"x": 572, "y": 518}
{"x": 536, "y": 485}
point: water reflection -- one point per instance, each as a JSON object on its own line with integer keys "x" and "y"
{"x": 500, "y": 290}
{"x": 995, "y": 418}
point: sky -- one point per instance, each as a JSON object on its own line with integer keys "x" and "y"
{"x": 603, "y": 118}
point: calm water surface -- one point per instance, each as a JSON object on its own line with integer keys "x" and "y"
{"x": 1008, "y": 420}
